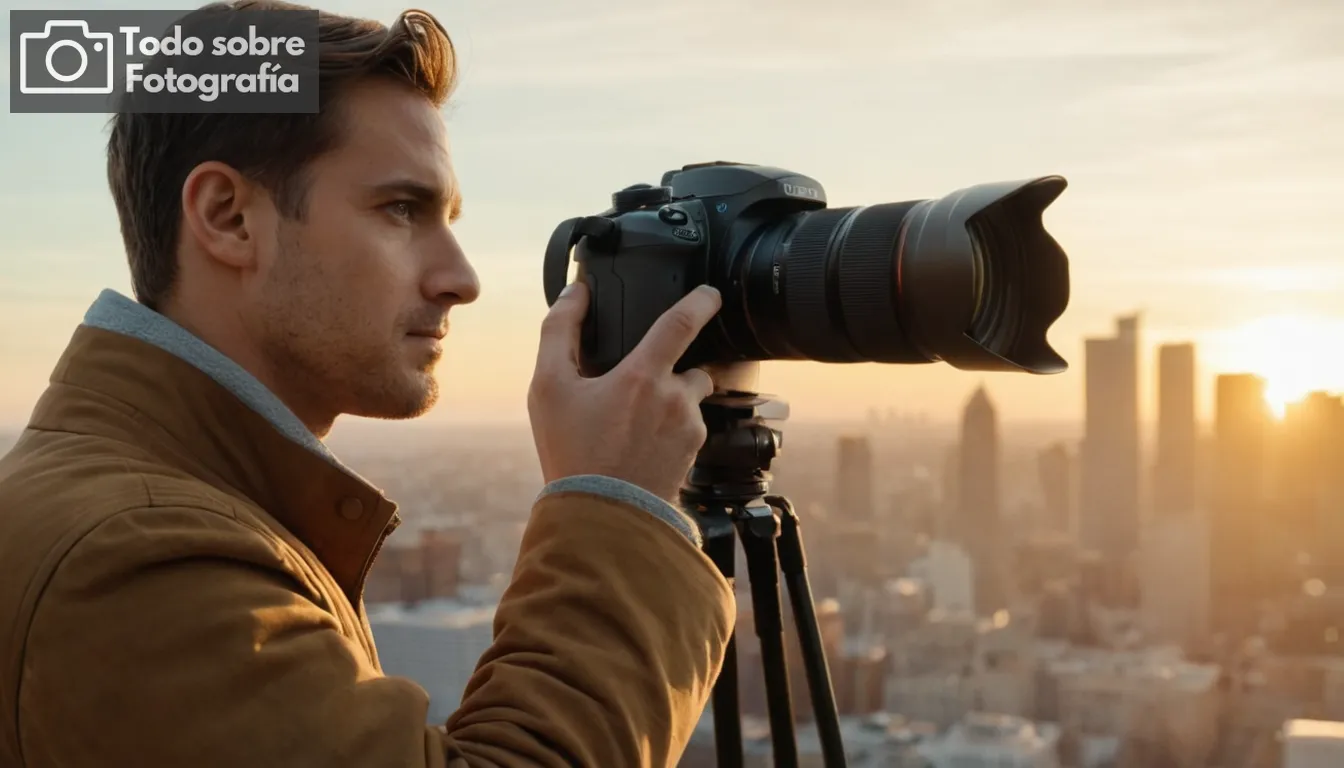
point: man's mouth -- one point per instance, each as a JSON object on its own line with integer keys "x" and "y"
{"x": 430, "y": 333}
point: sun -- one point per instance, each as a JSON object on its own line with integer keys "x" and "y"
{"x": 1280, "y": 394}
{"x": 1295, "y": 354}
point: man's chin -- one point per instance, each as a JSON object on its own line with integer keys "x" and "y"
{"x": 413, "y": 399}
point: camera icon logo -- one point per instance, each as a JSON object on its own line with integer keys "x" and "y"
{"x": 37, "y": 51}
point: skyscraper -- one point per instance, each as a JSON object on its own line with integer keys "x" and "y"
{"x": 1174, "y": 578}
{"x": 1174, "y": 567}
{"x": 1318, "y": 486}
{"x": 854, "y": 479}
{"x": 1055, "y": 467}
{"x": 1174, "y": 470}
{"x": 1108, "y": 512}
{"x": 854, "y": 543}
{"x": 978, "y": 523}
{"x": 1236, "y": 558}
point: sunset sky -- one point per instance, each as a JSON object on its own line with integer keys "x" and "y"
{"x": 1203, "y": 143}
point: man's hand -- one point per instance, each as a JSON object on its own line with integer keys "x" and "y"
{"x": 640, "y": 422}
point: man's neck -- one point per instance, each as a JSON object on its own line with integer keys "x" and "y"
{"x": 217, "y": 328}
{"x": 122, "y": 315}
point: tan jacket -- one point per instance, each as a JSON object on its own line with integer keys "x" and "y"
{"x": 182, "y": 579}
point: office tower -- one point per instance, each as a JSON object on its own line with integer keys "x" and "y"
{"x": 1174, "y": 579}
{"x": 1307, "y": 487}
{"x": 1236, "y": 557}
{"x": 978, "y": 519}
{"x": 946, "y": 523}
{"x": 1108, "y": 512}
{"x": 1173, "y": 573}
{"x": 1174, "y": 471}
{"x": 1329, "y": 523}
{"x": 853, "y": 546}
{"x": 1055, "y": 467}
{"x": 854, "y": 479}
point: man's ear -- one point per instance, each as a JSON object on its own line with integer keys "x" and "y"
{"x": 215, "y": 213}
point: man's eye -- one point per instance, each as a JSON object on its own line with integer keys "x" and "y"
{"x": 402, "y": 209}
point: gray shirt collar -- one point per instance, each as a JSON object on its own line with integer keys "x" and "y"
{"x": 114, "y": 312}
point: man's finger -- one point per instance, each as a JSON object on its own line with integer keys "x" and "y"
{"x": 699, "y": 384}
{"x": 672, "y": 334}
{"x": 561, "y": 331}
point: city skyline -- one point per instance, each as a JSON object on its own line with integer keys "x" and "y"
{"x": 1195, "y": 144}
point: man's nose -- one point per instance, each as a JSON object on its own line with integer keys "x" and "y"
{"x": 452, "y": 279}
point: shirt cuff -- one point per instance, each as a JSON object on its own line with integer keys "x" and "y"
{"x": 629, "y": 493}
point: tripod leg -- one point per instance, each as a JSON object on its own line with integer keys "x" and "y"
{"x": 793, "y": 564}
{"x": 719, "y": 540}
{"x": 758, "y": 529}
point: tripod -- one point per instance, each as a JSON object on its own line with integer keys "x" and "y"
{"x": 726, "y": 492}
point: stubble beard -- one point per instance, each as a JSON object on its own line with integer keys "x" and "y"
{"x": 321, "y": 358}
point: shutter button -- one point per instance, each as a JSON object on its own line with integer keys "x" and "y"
{"x": 351, "y": 508}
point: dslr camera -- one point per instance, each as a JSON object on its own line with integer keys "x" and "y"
{"x": 971, "y": 279}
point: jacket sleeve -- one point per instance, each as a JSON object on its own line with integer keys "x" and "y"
{"x": 172, "y": 637}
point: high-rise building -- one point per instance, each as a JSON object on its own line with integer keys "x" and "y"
{"x": 1174, "y": 470}
{"x": 978, "y": 526}
{"x": 852, "y": 546}
{"x": 1055, "y": 467}
{"x": 946, "y": 522}
{"x": 1236, "y": 556}
{"x": 854, "y": 479}
{"x": 1174, "y": 579}
{"x": 1307, "y": 486}
{"x": 1108, "y": 510}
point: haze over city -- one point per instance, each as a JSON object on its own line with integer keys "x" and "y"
{"x": 1199, "y": 140}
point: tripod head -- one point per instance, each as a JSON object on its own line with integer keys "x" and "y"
{"x": 733, "y": 465}
{"x": 726, "y": 493}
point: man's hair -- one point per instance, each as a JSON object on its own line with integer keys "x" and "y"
{"x": 149, "y": 155}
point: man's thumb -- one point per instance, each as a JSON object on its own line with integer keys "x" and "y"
{"x": 572, "y": 291}
{"x": 563, "y": 327}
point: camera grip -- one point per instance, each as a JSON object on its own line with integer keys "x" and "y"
{"x": 628, "y": 293}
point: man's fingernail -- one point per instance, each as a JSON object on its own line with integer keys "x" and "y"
{"x": 568, "y": 290}
{"x": 708, "y": 290}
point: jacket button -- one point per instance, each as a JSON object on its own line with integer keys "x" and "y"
{"x": 351, "y": 508}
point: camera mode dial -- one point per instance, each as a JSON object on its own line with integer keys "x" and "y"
{"x": 639, "y": 195}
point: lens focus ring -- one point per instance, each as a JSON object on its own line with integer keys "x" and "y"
{"x": 867, "y": 277}
{"x": 812, "y": 328}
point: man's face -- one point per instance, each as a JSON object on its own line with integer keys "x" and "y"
{"x": 354, "y": 296}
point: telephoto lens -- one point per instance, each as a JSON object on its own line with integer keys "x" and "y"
{"x": 971, "y": 279}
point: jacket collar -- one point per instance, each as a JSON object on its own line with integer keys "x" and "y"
{"x": 133, "y": 374}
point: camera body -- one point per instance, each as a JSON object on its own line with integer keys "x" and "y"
{"x": 656, "y": 244}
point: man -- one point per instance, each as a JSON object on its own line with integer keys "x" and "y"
{"x": 184, "y": 559}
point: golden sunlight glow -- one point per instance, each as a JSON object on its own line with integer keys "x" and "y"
{"x": 1296, "y": 355}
